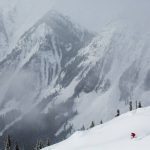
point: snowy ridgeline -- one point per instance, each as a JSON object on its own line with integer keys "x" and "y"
{"x": 113, "y": 135}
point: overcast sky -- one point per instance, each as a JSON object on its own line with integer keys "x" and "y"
{"x": 90, "y": 13}
{"x": 93, "y": 14}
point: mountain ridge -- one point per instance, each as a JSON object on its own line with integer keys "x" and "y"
{"x": 30, "y": 73}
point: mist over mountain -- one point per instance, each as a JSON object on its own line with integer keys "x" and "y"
{"x": 56, "y": 76}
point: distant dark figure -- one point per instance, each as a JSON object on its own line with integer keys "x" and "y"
{"x": 133, "y": 135}
{"x": 118, "y": 113}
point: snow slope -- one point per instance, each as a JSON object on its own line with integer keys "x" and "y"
{"x": 113, "y": 135}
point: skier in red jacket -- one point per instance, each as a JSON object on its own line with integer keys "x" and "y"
{"x": 133, "y": 135}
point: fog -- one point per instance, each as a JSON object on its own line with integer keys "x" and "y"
{"x": 25, "y": 89}
{"x": 92, "y": 14}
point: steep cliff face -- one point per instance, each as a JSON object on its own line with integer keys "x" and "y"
{"x": 32, "y": 74}
{"x": 116, "y": 71}
{"x": 40, "y": 56}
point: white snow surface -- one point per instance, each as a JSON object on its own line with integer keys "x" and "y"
{"x": 112, "y": 135}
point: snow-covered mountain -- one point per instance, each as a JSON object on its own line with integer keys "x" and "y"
{"x": 40, "y": 55}
{"x": 54, "y": 74}
{"x": 32, "y": 72}
{"x": 114, "y": 135}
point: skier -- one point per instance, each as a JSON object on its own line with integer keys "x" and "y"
{"x": 133, "y": 135}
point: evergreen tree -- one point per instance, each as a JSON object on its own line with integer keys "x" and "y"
{"x": 83, "y": 128}
{"x": 130, "y": 106}
{"x": 118, "y": 113}
{"x": 136, "y": 104}
{"x": 139, "y": 105}
{"x": 48, "y": 142}
{"x": 101, "y": 122}
{"x": 70, "y": 128}
{"x": 37, "y": 146}
{"x": 92, "y": 124}
{"x": 17, "y": 147}
{"x": 40, "y": 145}
{"x": 8, "y": 143}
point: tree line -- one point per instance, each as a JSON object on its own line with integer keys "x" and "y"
{"x": 137, "y": 105}
{"x": 10, "y": 145}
